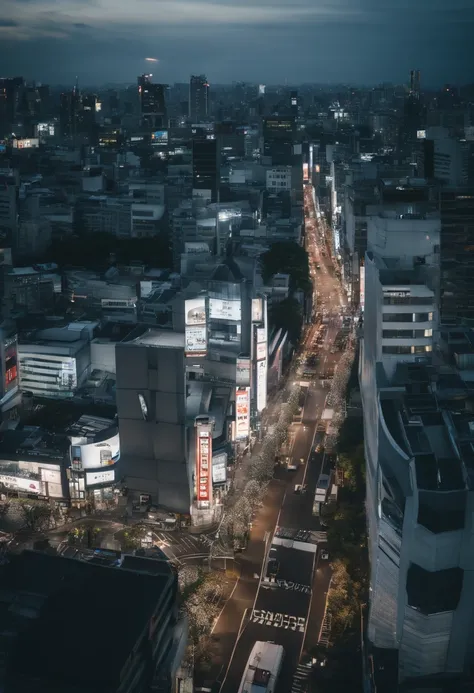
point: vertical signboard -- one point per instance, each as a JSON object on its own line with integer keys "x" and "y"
{"x": 261, "y": 385}
{"x": 203, "y": 461}
{"x": 362, "y": 287}
{"x": 10, "y": 347}
{"x": 195, "y": 327}
{"x": 242, "y": 413}
{"x": 242, "y": 371}
{"x": 257, "y": 310}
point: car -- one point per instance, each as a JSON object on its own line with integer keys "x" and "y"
{"x": 324, "y": 556}
{"x": 273, "y": 567}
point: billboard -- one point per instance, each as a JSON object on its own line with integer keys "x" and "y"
{"x": 242, "y": 371}
{"x": 11, "y": 363}
{"x": 31, "y": 143}
{"x": 261, "y": 351}
{"x": 159, "y": 137}
{"x": 195, "y": 327}
{"x": 219, "y": 468}
{"x": 261, "y": 335}
{"x": 94, "y": 455}
{"x": 261, "y": 385}
{"x": 257, "y": 310}
{"x": 94, "y": 478}
{"x": 19, "y": 483}
{"x": 225, "y": 310}
{"x": 242, "y": 412}
{"x": 203, "y": 463}
{"x": 362, "y": 287}
{"x": 305, "y": 172}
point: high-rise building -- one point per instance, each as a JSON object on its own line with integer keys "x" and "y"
{"x": 278, "y": 140}
{"x": 10, "y": 89}
{"x": 152, "y": 103}
{"x": 413, "y": 116}
{"x": 457, "y": 256}
{"x": 198, "y": 98}
{"x": 206, "y": 175}
{"x": 69, "y": 107}
{"x": 419, "y": 502}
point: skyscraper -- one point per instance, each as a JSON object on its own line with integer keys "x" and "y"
{"x": 206, "y": 176}
{"x": 278, "y": 139}
{"x": 152, "y": 103}
{"x": 198, "y": 98}
{"x": 457, "y": 256}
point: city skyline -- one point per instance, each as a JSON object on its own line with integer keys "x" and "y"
{"x": 363, "y": 42}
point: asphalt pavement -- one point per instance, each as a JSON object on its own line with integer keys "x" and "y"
{"x": 290, "y": 579}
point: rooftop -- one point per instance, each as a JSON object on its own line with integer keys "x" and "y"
{"x": 159, "y": 338}
{"x": 109, "y": 608}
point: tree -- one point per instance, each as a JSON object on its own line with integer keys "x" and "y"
{"x": 36, "y": 515}
{"x": 287, "y": 257}
{"x": 288, "y": 315}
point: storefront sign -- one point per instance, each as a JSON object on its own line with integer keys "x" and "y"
{"x": 19, "y": 483}
{"x": 94, "y": 478}
{"x": 203, "y": 465}
{"x": 242, "y": 413}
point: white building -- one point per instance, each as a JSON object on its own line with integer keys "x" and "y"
{"x": 279, "y": 178}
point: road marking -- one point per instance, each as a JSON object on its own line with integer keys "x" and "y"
{"x": 225, "y": 604}
{"x": 277, "y": 620}
{"x": 233, "y": 650}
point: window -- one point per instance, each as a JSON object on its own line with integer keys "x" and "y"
{"x": 398, "y": 350}
{"x": 397, "y": 334}
{"x": 397, "y": 317}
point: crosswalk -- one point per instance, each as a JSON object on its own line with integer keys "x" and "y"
{"x": 301, "y": 679}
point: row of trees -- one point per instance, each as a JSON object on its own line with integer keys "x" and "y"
{"x": 201, "y": 598}
{"x": 30, "y": 515}
{"x": 237, "y": 517}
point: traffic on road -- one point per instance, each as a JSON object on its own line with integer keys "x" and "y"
{"x": 286, "y": 596}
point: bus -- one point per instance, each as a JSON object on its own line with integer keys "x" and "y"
{"x": 263, "y": 668}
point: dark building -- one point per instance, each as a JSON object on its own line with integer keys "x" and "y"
{"x": 206, "y": 176}
{"x": 151, "y": 406}
{"x": 198, "y": 98}
{"x": 88, "y": 625}
{"x": 278, "y": 140}
{"x": 69, "y": 107}
{"x": 152, "y": 103}
{"x": 10, "y": 90}
{"x": 457, "y": 256}
{"x": 413, "y": 116}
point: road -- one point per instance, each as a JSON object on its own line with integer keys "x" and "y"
{"x": 281, "y": 595}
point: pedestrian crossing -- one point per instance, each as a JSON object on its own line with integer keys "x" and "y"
{"x": 301, "y": 679}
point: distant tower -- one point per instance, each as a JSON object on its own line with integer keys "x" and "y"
{"x": 152, "y": 103}
{"x": 415, "y": 85}
{"x": 198, "y": 98}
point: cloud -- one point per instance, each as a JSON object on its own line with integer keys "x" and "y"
{"x": 269, "y": 40}
{"x": 7, "y": 23}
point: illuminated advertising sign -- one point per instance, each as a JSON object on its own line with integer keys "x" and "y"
{"x": 224, "y": 310}
{"x": 242, "y": 372}
{"x": 45, "y": 129}
{"x": 219, "y": 468}
{"x": 94, "y": 455}
{"x": 19, "y": 483}
{"x": 242, "y": 413}
{"x": 195, "y": 327}
{"x": 305, "y": 172}
{"x": 32, "y": 143}
{"x": 421, "y": 134}
{"x": 261, "y": 351}
{"x": 203, "y": 464}
{"x": 159, "y": 137}
{"x": 257, "y": 310}
{"x": 11, "y": 363}
{"x": 362, "y": 287}
{"x": 94, "y": 478}
{"x": 196, "y": 341}
{"x": 261, "y": 385}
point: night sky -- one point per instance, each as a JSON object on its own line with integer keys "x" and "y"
{"x": 268, "y": 41}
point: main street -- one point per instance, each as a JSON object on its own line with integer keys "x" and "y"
{"x": 281, "y": 595}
